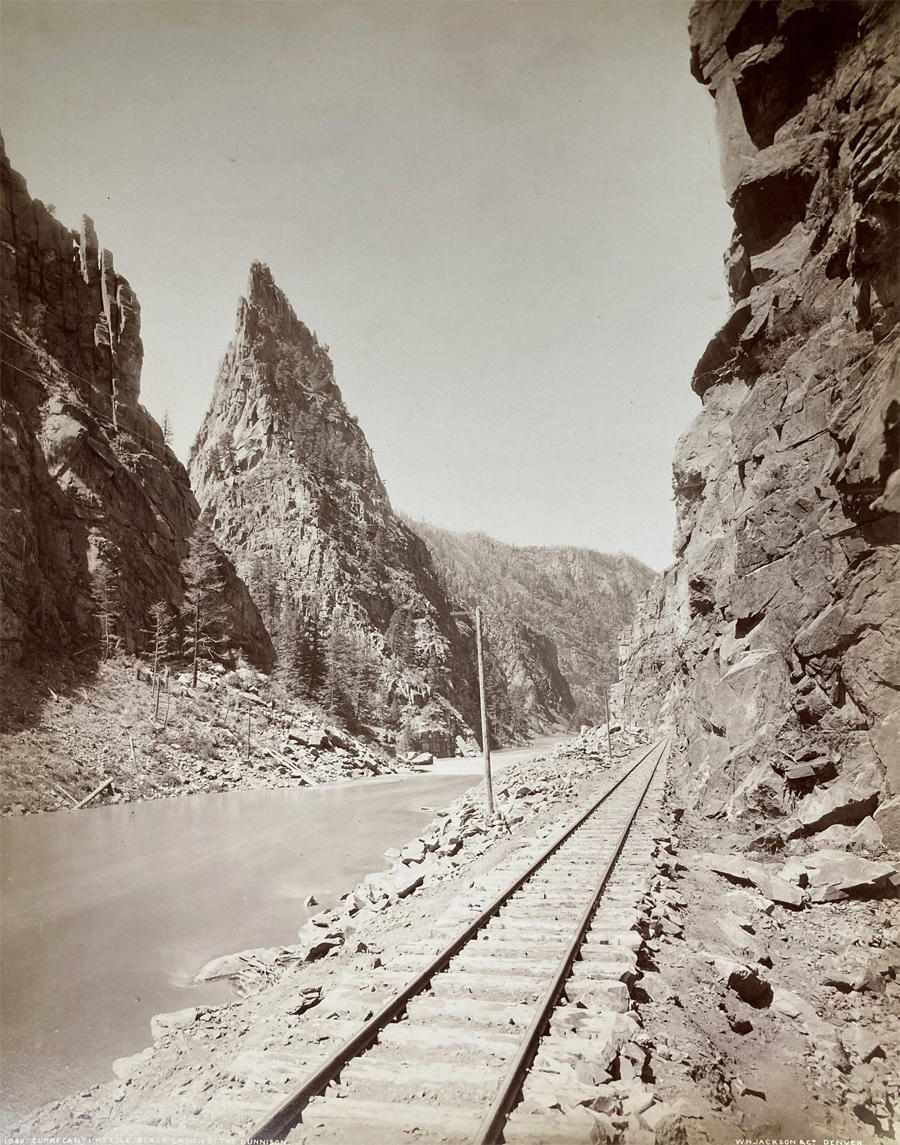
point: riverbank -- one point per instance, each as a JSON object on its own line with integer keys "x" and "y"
{"x": 531, "y": 795}
{"x": 106, "y": 917}
{"x": 763, "y": 1006}
{"x": 63, "y": 737}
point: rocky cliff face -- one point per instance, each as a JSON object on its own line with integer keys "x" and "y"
{"x": 553, "y": 618}
{"x": 96, "y": 508}
{"x": 288, "y": 484}
{"x": 773, "y": 639}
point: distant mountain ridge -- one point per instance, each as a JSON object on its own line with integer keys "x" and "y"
{"x": 554, "y": 616}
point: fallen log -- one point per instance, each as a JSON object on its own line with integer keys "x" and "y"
{"x": 292, "y": 768}
{"x": 62, "y": 791}
{"x": 96, "y": 791}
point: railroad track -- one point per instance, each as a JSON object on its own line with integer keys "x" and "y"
{"x": 540, "y": 975}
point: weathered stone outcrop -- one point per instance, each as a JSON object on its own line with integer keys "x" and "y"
{"x": 773, "y": 639}
{"x": 286, "y": 478}
{"x": 90, "y": 487}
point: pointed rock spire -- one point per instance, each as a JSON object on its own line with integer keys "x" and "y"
{"x": 266, "y": 297}
{"x": 290, "y": 485}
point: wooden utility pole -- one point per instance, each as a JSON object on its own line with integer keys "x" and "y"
{"x": 485, "y": 730}
{"x": 608, "y": 729}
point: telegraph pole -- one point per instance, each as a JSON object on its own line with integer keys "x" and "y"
{"x": 608, "y": 730}
{"x": 485, "y": 731}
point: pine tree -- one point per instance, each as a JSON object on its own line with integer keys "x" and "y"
{"x": 291, "y": 370}
{"x": 318, "y": 376}
{"x": 227, "y": 458}
{"x": 495, "y": 686}
{"x": 341, "y": 685}
{"x": 160, "y": 633}
{"x": 105, "y": 586}
{"x": 392, "y": 713}
{"x": 311, "y": 655}
{"x": 368, "y": 700}
{"x": 434, "y": 672}
{"x": 377, "y": 548}
{"x": 288, "y": 636}
{"x": 271, "y": 599}
{"x": 517, "y": 695}
{"x": 203, "y": 586}
{"x": 215, "y": 463}
{"x": 401, "y": 636}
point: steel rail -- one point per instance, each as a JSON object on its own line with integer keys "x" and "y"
{"x": 280, "y": 1122}
{"x": 490, "y": 1132}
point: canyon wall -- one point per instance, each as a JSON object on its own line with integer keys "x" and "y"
{"x": 288, "y": 484}
{"x": 771, "y": 645}
{"x": 96, "y": 510}
{"x": 553, "y": 616}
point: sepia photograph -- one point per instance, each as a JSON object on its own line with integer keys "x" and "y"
{"x": 450, "y": 572}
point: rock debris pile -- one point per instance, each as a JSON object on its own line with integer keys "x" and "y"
{"x": 591, "y": 743}
{"x": 237, "y": 730}
{"x": 462, "y": 833}
{"x": 774, "y": 1006}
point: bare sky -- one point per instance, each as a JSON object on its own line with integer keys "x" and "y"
{"x": 505, "y": 219}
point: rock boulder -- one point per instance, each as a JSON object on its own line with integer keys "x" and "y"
{"x": 840, "y": 803}
{"x": 835, "y": 875}
{"x": 888, "y": 819}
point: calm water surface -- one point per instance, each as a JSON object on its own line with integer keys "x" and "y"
{"x": 108, "y": 913}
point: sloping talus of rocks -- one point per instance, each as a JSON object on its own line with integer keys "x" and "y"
{"x": 287, "y": 480}
{"x": 773, "y": 637}
{"x": 88, "y": 480}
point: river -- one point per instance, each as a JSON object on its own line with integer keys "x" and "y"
{"x": 106, "y": 914}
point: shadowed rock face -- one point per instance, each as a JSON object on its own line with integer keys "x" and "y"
{"x": 88, "y": 480}
{"x": 288, "y": 483}
{"x": 774, "y": 636}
